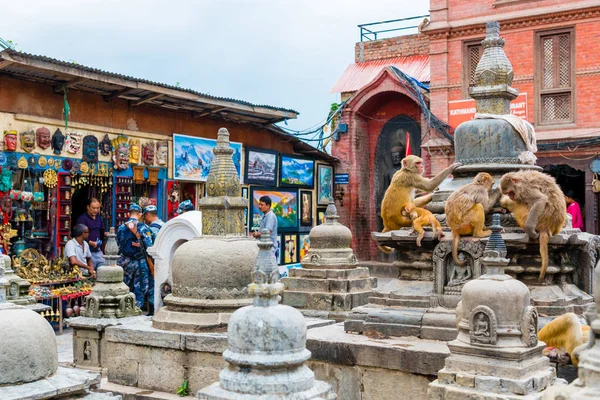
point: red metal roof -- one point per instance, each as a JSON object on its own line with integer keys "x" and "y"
{"x": 359, "y": 74}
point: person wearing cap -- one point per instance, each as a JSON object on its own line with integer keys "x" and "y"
{"x": 133, "y": 237}
{"x": 151, "y": 219}
{"x": 574, "y": 209}
{"x": 184, "y": 206}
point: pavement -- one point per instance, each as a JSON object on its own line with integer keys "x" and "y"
{"x": 64, "y": 344}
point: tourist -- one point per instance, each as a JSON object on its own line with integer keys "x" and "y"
{"x": 184, "y": 207}
{"x": 92, "y": 219}
{"x": 151, "y": 219}
{"x": 268, "y": 221}
{"x": 78, "y": 252}
{"x": 133, "y": 239}
{"x": 574, "y": 209}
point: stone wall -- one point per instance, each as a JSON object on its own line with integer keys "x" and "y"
{"x": 401, "y": 46}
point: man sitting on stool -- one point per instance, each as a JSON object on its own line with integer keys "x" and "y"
{"x": 78, "y": 252}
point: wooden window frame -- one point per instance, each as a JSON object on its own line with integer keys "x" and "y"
{"x": 538, "y": 77}
{"x": 467, "y": 63}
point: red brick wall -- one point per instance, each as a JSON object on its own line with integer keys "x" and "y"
{"x": 393, "y": 47}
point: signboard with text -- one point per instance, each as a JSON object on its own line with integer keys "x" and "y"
{"x": 460, "y": 111}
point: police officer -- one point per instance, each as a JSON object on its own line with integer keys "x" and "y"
{"x": 184, "y": 206}
{"x": 133, "y": 238}
{"x": 151, "y": 219}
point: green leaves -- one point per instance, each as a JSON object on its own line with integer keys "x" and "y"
{"x": 183, "y": 390}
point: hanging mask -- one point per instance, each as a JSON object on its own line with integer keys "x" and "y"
{"x": 28, "y": 141}
{"x": 134, "y": 151}
{"x": 73, "y": 142}
{"x": 10, "y": 140}
{"x": 162, "y": 152}
{"x": 105, "y": 146}
{"x": 148, "y": 153}
{"x": 120, "y": 153}
{"x": 43, "y": 138}
{"x": 90, "y": 149}
{"x": 58, "y": 141}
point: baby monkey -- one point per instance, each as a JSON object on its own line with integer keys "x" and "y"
{"x": 421, "y": 217}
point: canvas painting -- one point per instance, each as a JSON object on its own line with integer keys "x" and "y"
{"x": 296, "y": 171}
{"x": 290, "y": 251}
{"x": 261, "y": 167}
{"x": 321, "y": 216}
{"x": 305, "y": 208}
{"x": 284, "y": 204}
{"x": 304, "y": 240}
{"x": 325, "y": 186}
{"x": 193, "y": 156}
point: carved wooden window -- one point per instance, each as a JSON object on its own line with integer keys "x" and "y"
{"x": 555, "y": 78}
{"x": 471, "y": 55}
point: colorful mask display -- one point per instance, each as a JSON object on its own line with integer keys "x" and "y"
{"x": 105, "y": 146}
{"x": 28, "y": 141}
{"x": 10, "y": 140}
{"x": 90, "y": 149}
{"x": 58, "y": 141}
{"x": 73, "y": 142}
{"x": 148, "y": 153}
{"x": 43, "y": 138}
{"x": 134, "y": 151}
{"x": 162, "y": 152}
{"x": 120, "y": 152}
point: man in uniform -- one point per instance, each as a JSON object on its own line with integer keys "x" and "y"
{"x": 151, "y": 219}
{"x": 133, "y": 238}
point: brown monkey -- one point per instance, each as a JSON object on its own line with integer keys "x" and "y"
{"x": 539, "y": 194}
{"x": 421, "y": 217}
{"x": 566, "y": 334}
{"x": 402, "y": 191}
{"x": 466, "y": 209}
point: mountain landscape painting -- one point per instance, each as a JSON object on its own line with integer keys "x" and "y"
{"x": 295, "y": 171}
{"x": 192, "y": 157}
{"x": 261, "y": 167}
{"x": 284, "y": 204}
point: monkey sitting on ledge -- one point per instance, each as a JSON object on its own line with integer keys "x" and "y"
{"x": 421, "y": 217}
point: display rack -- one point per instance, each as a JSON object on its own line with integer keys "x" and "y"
{"x": 123, "y": 193}
{"x": 64, "y": 209}
{"x": 59, "y": 303}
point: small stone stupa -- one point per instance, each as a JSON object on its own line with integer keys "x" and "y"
{"x": 266, "y": 345}
{"x": 496, "y": 354}
{"x": 18, "y": 288}
{"x": 109, "y": 302}
{"x": 211, "y": 273}
{"x": 330, "y": 279}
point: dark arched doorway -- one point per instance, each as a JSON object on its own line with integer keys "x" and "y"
{"x": 393, "y": 134}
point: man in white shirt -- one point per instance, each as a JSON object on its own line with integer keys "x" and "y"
{"x": 78, "y": 251}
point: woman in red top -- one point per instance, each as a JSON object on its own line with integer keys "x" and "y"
{"x": 574, "y": 209}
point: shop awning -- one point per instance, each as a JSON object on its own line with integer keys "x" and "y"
{"x": 359, "y": 74}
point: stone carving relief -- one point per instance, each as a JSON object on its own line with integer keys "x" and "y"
{"x": 210, "y": 293}
{"x": 529, "y": 327}
{"x": 87, "y": 351}
{"x": 483, "y": 326}
{"x": 449, "y": 278}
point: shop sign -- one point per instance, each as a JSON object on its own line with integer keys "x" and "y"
{"x": 460, "y": 111}
{"x": 341, "y": 179}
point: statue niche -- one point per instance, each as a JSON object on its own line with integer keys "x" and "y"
{"x": 389, "y": 152}
{"x": 483, "y": 325}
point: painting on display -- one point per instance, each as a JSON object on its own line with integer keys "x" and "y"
{"x": 193, "y": 157}
{"x": 306, "y": 208}
{"x": 284, "y": 204}
{"x": 325, "y": 184}
{"x": 321, "y": 215}
{"x": 290, "y": 249}
{"x": 304, "y": 244}
{"x": 261, "y": 167}
{"x": 297, "y": 171}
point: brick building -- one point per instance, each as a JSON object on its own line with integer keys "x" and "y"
{"x": 555, "y": 68}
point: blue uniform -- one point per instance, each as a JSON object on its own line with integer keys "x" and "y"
{"x": 155, "y": 227}
{"x": 135, "y": 267}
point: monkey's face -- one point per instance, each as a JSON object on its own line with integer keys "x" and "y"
{"x": 413, "y": 164}
{"x": 484, "y": 179}
{"x": 507, "y": 185}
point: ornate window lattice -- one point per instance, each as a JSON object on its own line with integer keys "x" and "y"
{"x": 472, "y": 55}
{"x": 555, "y": 87}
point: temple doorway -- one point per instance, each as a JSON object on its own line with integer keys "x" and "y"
{"x": 569, "y": 179}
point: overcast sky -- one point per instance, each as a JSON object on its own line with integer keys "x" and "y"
{"x": 276, "y": 52}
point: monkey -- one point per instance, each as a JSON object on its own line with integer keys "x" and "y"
{"x": 540, "y": 196}
{"x": 421, "y": 217}
{"x": 402, "y": 190}
{"x": 565, "y": 334}
{"x": 466, "y": 209}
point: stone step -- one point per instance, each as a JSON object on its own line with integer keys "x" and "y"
{"x": 407, "y": 303}
{"x": 294, "y": 284}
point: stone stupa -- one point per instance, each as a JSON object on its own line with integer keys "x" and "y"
{"x": 496, "y": 354}
{"x": 211, "y": 273}
{"x": 18, "y": 288}
{"x": 266, "y": 345}
{"x": 330, "y": 282}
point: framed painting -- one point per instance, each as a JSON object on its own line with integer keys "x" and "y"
{"x": 245, "y": 192}
{"x": 306, "y": 214}
{"x": 193, "y": 156}
{"x": 304, "y": 244}
{"x": 290, "y": 249}
{"x": 296, "y": 171}
{"x": 284, "y": 204}
{"x": 261, "y": 166}
{"x": 321, "y": 215}
{"x": 278, "y": 252}
{"x": 324, "y": 184}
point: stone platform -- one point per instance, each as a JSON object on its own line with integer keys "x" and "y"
{"x": 357, "y": 367}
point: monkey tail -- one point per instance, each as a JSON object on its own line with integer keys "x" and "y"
{"x": 455, "y": 240}
{"x": 385, "y": 249}
{"x": 544, "y": 237}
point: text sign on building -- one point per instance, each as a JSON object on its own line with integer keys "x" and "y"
{"x": 340, "y": 179}
{"x": 460, "y": 111}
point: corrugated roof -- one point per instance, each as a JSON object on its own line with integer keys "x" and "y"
{"x": 359, "y": 74}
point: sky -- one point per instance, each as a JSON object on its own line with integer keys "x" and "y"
{"x": 283, "y": 53}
